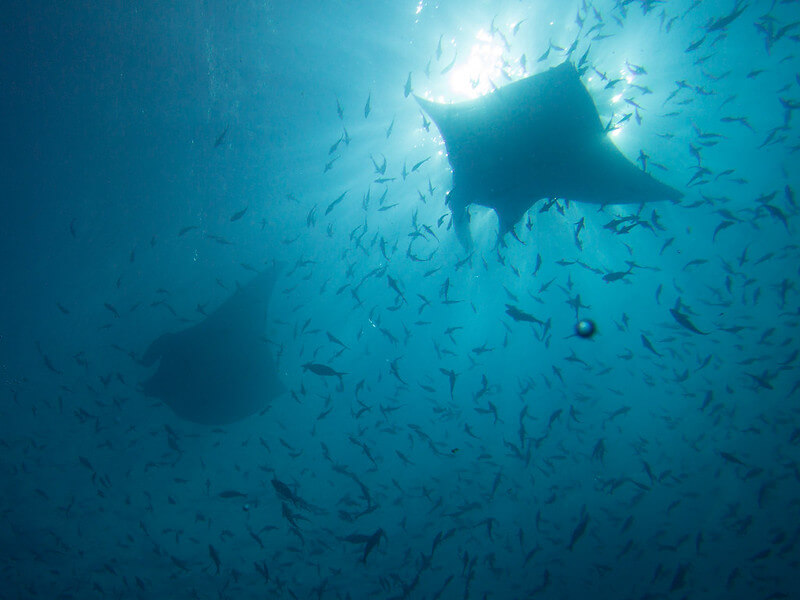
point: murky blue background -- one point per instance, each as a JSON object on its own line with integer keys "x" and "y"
{"x": 559, "y": 467}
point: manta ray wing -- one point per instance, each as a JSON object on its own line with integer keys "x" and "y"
{"x": 220, "y": 370}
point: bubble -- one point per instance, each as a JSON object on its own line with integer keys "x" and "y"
{"x": 585, "y": 328}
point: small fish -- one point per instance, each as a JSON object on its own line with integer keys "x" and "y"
{"x": 426, "y": 124}
{"x": 731, "y": 458}
{"x": 221, "y": 137}
{"x": 721, "y": 23}
{"x": 451, "y": 65}
{"x": 407, "y": 88}
{"x": 697, "y": 261}
{"x": 538, "y": 264}
{"x": 214, "y": 556}
{"x": 372, "y": 541}
{"x": 232, "y": 494}
{"x": 180, "y": 564}
{"x": 187, "y": 229}
{"x": 419, "y": 164}
{"x": 695, "y": 45}
{"x": 684, "y": 321}
{"x": 679, "y": 580}
{"x": 322, "y": 370}
{"x": 544, "y": 56}
{"x": 616, "y": 275}
{"x": 112, "y": 310}
{"x": 330, "y": 163}
{"x": 519, "y": 315}
{"x": 239, "y": 214}
{"x": 366, "y": 106}
{"x": 335, "y": 145}
{"x": 720, "y": 227}
{"x": 333, "y": 204}
{"x": 579, "y": 530}
{"x": 262, "y": 568}
{"x": 336, "y": 340}
{"x": 646, "y": 343}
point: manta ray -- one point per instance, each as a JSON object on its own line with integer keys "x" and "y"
{"x": 222, "y": 369}
{"x": 539, "y": 137}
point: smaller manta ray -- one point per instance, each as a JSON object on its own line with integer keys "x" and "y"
{"x": 220, "y": 370}
{"x": 539, "y": 137}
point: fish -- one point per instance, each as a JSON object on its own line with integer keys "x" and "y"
{"x": 426, "y": 124}
{"x": 679, "y": 579}
{"x": 333, "y": 204}
{"x": 221, "y": 136}
{"x": 519, "y": 315}
{"x": 212, "y": 552}
{"x": 616, "y": 275}
{"x": 371, "y": 542}
{"x": 419, "y": 164}
{"x": 239, "y": 214}
{"x": 180, "y": 564}
{"x": 285, "y": 493}
{"x": 451, "y": 376}
{"x": 579, "y": 530}
{"x": 322, "y": 370}
{"x": 722, "y": 23}
{"x": 684, "y": 321}
{"x": 728, "y": 457}
{"x": 263, "y": 570}
{"x": 232, "y": 494}
{"x": 539, "y": 137}
{"x": 187, "y": 229}
{"x": 723, "y": 225}
{"x": 450, "y": 65}
{"x": 647, "y": 344}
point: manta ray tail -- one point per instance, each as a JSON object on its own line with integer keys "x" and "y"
{"x": 460, "y": 214}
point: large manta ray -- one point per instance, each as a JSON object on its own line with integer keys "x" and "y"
{"x": 540, "y": 137}
{"x": 220, "y": 370}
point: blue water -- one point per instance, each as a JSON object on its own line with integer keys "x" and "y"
{"x": 648, "y": 461}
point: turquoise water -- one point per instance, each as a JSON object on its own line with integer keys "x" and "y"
{"x": 155, "y": 156}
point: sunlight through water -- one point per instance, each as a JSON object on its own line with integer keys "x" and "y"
{"x": 482, "y": 71}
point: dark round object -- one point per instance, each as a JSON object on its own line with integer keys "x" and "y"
{"x": 585, "y": 328}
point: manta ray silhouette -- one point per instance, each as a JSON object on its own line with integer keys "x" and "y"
{"x": 220, "y": 370}
{"x": 540, "y": 137}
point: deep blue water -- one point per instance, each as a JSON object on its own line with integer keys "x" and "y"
{"x": 463, "y": 453}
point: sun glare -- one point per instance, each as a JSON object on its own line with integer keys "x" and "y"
{"x": 481, "y": 71}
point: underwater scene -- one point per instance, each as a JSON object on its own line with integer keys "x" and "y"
{"x": 400, "y": 299}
